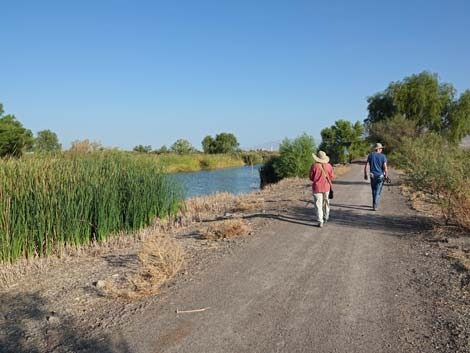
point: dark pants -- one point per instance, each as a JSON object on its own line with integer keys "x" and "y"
{"x": 376, "y": 183}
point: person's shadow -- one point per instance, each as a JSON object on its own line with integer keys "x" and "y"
{"x": 55, "y": 332}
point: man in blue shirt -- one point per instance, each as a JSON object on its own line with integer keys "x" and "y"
{"x": 378, "y": 171}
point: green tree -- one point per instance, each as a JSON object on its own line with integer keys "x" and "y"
{"x": 47, "y": 141}
{"x": 393, "y": 132}
{"x": 208, "y": 144}
{"x": 14, "y": 138}
{"x": 162, "y": 150}
{"x": 182, "y": 146}
{"x": 430, "y": 104}
{"x": 142, "y": 149}
{"x": 295, "y": 157}
{"x": 458, "y": 119}
{"x": 226, "y": 143}
{"x": 344, "y": 141}
{"x": 223, "y": 143}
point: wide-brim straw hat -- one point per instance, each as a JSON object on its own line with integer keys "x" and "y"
{"x": 378, "y": 146}
{"x": 321, "y": 157}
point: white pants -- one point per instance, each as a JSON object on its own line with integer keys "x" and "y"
{"x": 322, "y": 206}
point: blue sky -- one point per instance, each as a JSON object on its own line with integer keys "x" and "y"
{"x": 150, "y": 72}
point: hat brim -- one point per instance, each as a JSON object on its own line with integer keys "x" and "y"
{"x": 320, "y": 160}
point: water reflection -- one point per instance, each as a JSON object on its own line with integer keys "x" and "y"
{"x": 234, "y": 180}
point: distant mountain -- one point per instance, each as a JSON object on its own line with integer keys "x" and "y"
{"x": 267, "y": 146}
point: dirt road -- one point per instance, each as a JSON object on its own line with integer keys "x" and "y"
{"x": 299, "y": 288}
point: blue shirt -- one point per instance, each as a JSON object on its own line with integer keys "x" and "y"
{"x": 376, "y": 162}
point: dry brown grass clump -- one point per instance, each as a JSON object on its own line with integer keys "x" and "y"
{"x": 462, "y": 256}
{"x": 248, "y": 203}
{"x": 283, "y": 184}
{"x": 160, "y": 259}
{"x": 226, "y": 229}
{"x": 199, "y": 208}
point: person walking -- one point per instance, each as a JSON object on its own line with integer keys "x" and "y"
{"x": 377, "y": 162}
{"x": 321, "y": 174}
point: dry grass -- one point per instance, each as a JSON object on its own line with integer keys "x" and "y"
{"x": 248, "y": 203}
{"x": 200, "y": 208}
{"x": 160, "y": 259}
{"x": 341, "y": 170}
{"x": 462, "y": 256}
{"x": 226, "y": 229}
{"x": 420, "y": 202}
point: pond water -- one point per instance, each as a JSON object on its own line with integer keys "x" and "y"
{"x": 234, "y": 180}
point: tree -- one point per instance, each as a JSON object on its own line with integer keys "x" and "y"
{"x": 208, "y": 144}
{"x": 458, "y": 120}
{"x": 393, "y": 132}
{"x": 47, "y": 141}
{"x": 14, "y": 138}
{"x": 421, "y": 98}
{"x": 162, "y": 150}
{"x": 226, "y": 143}
{"x": 223, "y": 143}
{"x": 344, "y": 141}
{"x": 295, "y": 157}
{"x": 142, "y": 149}
{"x": 182, "y": 146}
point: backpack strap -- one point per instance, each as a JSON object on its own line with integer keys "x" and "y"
{"x": 324, "y": 174}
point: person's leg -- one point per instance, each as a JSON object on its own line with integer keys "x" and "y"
{"x": 318, "y": 203}
{"x": 326, "y": 207}
{"x": 378, "y": 190}
{"x": 373, "y": 186}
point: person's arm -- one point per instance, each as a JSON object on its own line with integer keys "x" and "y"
{"x": 385, "y": 170}
{"x": 310, "y": 175}
{"x": 331, "y": 173}
{"x": 365, "y": 169}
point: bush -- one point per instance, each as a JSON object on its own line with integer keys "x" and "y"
{"x": 439, "y": 170}
{"x": 392, "y": 132}
{"x": 267, "y": 173}
{"x": 252, "y": 157}
{"x": 295, "y": 157}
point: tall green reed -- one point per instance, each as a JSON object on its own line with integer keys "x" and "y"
{"x": 48, "y": 202}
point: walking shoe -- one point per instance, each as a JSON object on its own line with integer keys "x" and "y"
{"x": 320, "y": 224}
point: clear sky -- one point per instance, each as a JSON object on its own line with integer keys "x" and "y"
{"x": 150, "y": 72}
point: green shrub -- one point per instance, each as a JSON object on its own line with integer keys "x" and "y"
{"x": 295, "y": 157}
{"x": 252, "y": 157}
{"x": 267, "y": 173}
{"x": 439, "y": 170}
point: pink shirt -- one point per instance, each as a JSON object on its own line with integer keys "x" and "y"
{"x": 319, "y": 182}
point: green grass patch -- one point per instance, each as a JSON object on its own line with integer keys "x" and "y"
{"x": 194, "y": 162}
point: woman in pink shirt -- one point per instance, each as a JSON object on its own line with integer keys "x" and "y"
{"x": 320, "y": 172}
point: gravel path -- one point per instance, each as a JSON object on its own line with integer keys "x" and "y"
{"x": 299, "y": 288}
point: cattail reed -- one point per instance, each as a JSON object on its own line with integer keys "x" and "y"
{"x": 48, "y": 202}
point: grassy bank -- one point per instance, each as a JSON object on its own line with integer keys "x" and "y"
{"x": 47, "y": 203}
{"x": 194, "y": 162}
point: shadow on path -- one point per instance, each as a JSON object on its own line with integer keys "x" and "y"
{"x": 30, "y": 328}
{"x": 354, "y": 207}
{"x": 349, "y": 218}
